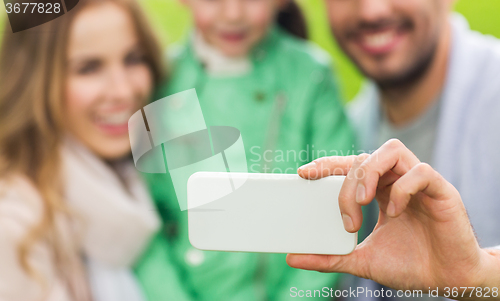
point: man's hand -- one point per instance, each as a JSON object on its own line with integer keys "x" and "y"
{"x": 423, "y": 237}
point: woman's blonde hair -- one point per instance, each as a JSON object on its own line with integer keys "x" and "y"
{"x": 32, "y": 81}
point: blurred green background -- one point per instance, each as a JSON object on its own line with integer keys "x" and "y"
{"x": 171, "y": 21}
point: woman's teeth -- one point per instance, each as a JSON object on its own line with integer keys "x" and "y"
{"x": 115, "y": 118}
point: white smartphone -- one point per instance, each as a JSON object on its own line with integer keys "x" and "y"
{"x": 271, "y": 213}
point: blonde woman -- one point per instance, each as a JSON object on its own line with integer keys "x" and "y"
{"x": 74, "y": 214}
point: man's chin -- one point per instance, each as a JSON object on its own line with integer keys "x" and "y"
{"x": 391, "y": 80}
{"x": 387, "y": 76}
{"x": 388, "y": 79}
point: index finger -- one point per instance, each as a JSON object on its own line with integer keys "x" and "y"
{"x": 391, "y": 156}
{"x": 327, "y": 166}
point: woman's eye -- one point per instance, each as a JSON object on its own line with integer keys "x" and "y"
{"x": 89, "y": 67}
{"x": 134, "y": 59}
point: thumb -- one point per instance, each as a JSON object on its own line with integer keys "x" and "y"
{"x": 326, "y": 263}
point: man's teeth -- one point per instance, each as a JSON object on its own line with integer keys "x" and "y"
{"x": 115, "y": 119}
{"x": 379, "y": 39}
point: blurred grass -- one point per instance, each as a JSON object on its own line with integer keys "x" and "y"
{"x": 171, "y": 21}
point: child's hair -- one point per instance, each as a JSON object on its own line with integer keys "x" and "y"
{"x": 32, "y": 81}
{"x": 292, "y": 20}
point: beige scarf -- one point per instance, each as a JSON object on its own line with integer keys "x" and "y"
{"x": 116, "y": 219}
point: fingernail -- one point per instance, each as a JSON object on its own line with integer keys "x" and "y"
{"x": 308, "y": 165}
{"x": 360, "y": 193}
{"x": 348, "y": 225}
{"x": 391, "y": 209}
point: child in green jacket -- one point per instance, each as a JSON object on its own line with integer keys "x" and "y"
{"x": 252, "y": 70}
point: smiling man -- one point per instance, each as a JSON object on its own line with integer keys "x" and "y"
{"x": 435, "y": 85}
